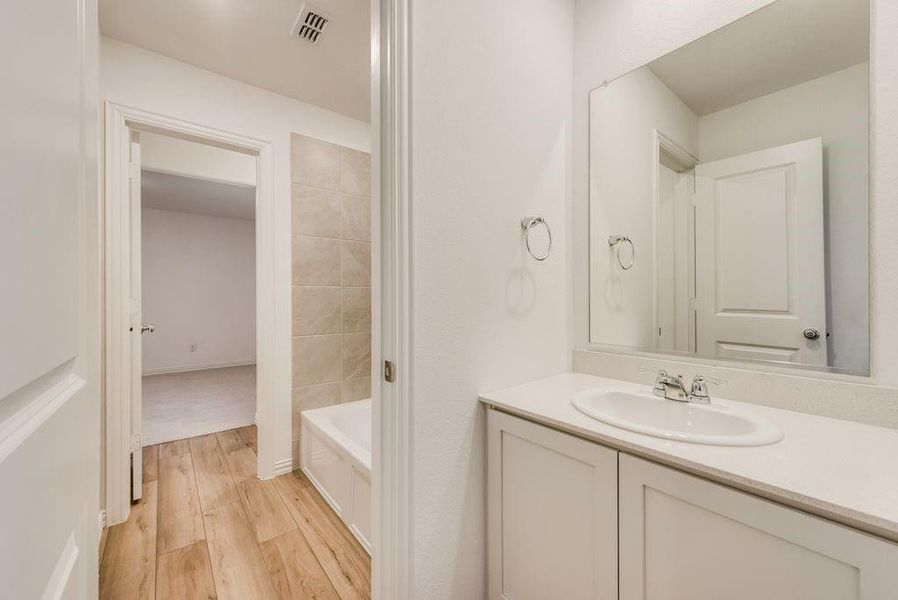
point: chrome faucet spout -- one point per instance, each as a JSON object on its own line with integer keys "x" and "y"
{"x": 672, "y": 387}
{"x": 669, "y": 386}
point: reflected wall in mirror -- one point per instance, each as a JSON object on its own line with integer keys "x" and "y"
{"x": 733, "y": 173}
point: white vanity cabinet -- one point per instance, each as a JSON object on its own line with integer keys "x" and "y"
{"x": 563, "y": 509}
{"x": 684, "y": 538}
{"x": 552, "y": 514}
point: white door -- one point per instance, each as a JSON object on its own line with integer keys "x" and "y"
{"x": 552, "y": 514}
{"x": 136, "y": 324}
{"x": 759, "y": 255}
{"x": 49, "y": 303}
{"x": 684, "y": 538}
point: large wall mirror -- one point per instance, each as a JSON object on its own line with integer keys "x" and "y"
{"x": 729, "y": 193}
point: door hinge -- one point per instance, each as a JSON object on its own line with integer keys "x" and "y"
{"x": 133, "y": 170}
{"x": 136, "y": 444}
{"x": 389, "y": 371}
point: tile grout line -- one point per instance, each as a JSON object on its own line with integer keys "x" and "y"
{"x": 327, "y": 189}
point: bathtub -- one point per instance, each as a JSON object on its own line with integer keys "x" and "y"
{"x": 335, "y": 454}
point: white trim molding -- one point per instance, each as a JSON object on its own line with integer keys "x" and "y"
{"x": 49, "y": 395}
{"x": 281, "y": 467}
{"x": 101, "y": 525}
{"x": 120, "y": 122}
{"x": 392, "y": 514}
{"x": 191, "y": 368}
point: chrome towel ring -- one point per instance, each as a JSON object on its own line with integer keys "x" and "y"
{"x": 615, "y": 241}
{"x": 527, "y": 224}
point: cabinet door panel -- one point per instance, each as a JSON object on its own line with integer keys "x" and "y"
{"x": 682, "y": 537}
{"x": 552, "y": 514}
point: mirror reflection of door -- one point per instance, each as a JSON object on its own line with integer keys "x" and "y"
{"x": 759, "y": 275}
{"x": 738, "y": 167}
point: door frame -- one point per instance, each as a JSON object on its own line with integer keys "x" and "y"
{"x": 120, "y": 120}
{"x": 392, "y": 435}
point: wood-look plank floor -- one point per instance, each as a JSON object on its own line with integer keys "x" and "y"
{"x": 207, "y": 529}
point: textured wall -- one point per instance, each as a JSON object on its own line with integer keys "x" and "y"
{"x": 331, "y": 276}
{"x": 490, "y": 144}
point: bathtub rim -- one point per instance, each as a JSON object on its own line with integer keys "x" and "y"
{"x": 319, "y": 419}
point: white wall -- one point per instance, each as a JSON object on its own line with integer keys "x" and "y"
{"x": 834, "y": 107}
{"x": 636, "y": 36}
{"x": 199, "y": 287}
{"x": 623, "y": 115}
{"x": 490, "y": 88}
{"x": 149, "y": 81}
{"x": 49, "y": 306}
{"x": 166, "y": 154}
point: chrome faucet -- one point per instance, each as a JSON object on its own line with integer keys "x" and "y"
{"x": 672, "y": 387}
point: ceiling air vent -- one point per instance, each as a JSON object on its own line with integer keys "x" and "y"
{"x": 310, "y": 24}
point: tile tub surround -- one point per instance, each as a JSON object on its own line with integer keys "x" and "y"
{"x": 836, "y": 469}
{"x": 331, "y": 227}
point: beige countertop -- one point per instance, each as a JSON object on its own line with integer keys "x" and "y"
{"x": 840, "y": 470}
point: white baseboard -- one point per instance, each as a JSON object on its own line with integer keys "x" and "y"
{"x": 188, "y": 369}
{"x": 101, "y": 524}
{"x": 283, "y": 466}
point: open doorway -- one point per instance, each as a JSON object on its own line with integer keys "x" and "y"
{"x": 186, "y": 247}
{"x": 318, "y": 276}
{"x": 197, "y": 262}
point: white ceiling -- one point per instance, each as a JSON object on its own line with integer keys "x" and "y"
{"x": 166, "y": 191}
{"x": 784, "y": 44}
{"x": 249, "y": 40}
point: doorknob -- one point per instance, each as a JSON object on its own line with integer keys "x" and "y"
{"x": 811, "y": 333}
{"x": 147, "y": 328}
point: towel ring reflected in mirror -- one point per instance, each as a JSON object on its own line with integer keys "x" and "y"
{"x": 616, "y": 241}
{"x": 527, "y": 224}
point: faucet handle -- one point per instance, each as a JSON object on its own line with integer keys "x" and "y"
{"x": 699, "y": 389}
{"x": 699, "y": 378}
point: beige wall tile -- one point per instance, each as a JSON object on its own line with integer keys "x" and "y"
{"x": 356, "y": 355}
{"x": 355, "y": 172}
{"x": 316, "y": 261}
{"x": 356, "y": 310}
{"x": 356, "y": 389}
{"x": 356, "y": 218}
{"x": 317, "y": 310}
{"x": 356, "y": 264}
{"x": 331, "y": 224}
{"x": 316, "y": 211}
{"x": 311, "y": 397}
{"x": 314, "y": 162}
{"x": 316, "y": 359}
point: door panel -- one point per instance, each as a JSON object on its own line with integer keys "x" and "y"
{"x": 683, "y": 538}
{"x": 49, "y": 307}
{"x": 759, "y": 255}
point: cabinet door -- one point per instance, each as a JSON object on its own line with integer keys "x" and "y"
{"x": 552, "y": 514}
{"x": 682, "y": 537}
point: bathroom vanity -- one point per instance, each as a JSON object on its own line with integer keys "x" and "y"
{"x": 578, "y": 508}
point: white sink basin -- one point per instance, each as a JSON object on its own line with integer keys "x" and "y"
{"x": 678, "y": 421}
